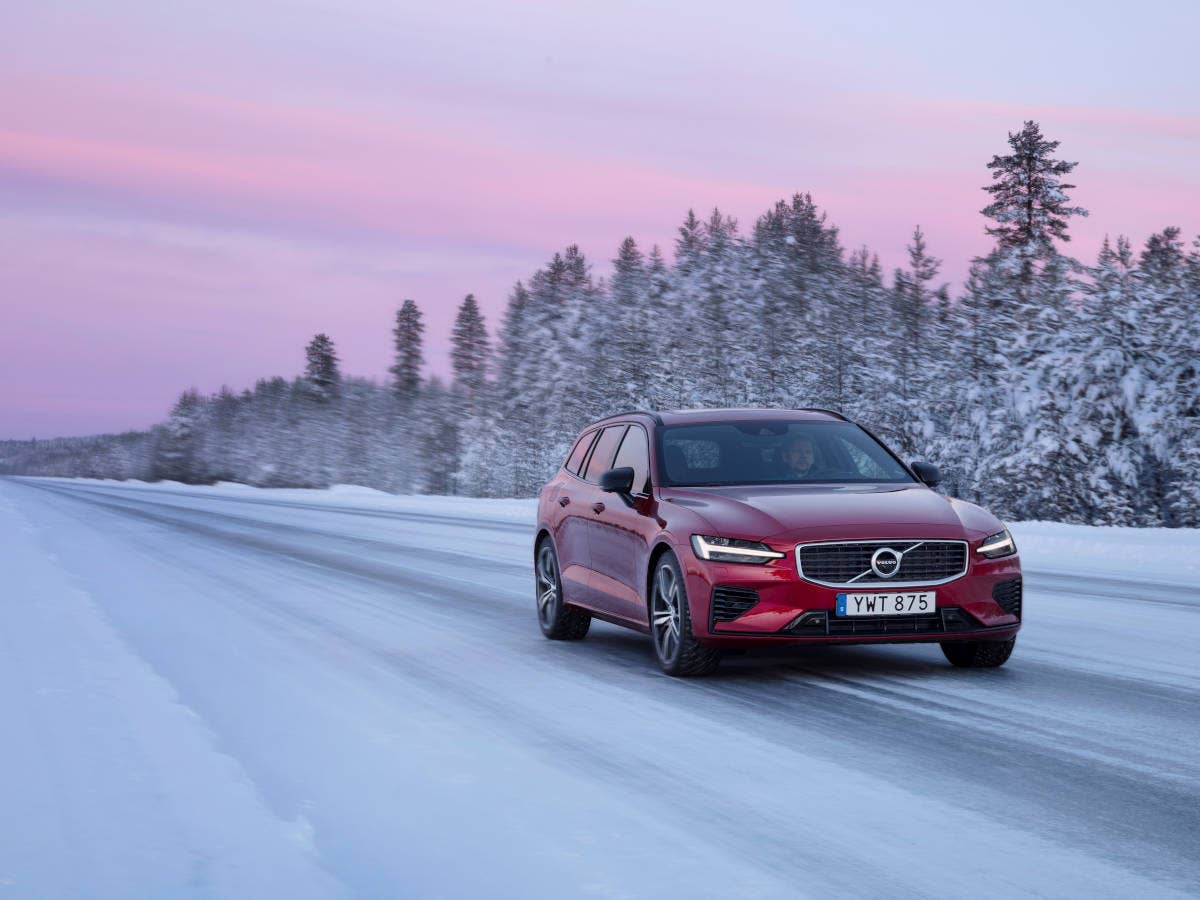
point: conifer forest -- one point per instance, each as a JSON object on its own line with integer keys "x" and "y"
{"x": 1046, "y": 387}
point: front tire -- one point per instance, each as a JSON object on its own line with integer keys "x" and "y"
{"x": 678, "y": 651}
{"x": 978, "y": 654}
{"x": 559, "y": 621}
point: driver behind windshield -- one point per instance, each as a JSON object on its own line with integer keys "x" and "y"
{"x": 797, "y": 458}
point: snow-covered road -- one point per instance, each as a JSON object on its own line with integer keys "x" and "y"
{"x": 230, "y": 692}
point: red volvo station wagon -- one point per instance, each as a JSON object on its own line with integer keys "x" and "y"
{"x": 716, "y": 529}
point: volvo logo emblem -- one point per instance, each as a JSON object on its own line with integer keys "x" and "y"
{"x": 885, "y": 562}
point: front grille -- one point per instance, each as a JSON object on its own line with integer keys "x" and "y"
{"x": 844, "y": 625}
{"x": 1008, "y": 595}
{"x": 730, "y": 602}
{"x": 922, "y": 562}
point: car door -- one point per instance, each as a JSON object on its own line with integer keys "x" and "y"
{"x": 620, "y": 534}
{"x": 571, "y": 521}
{"x": 589, "y": 501}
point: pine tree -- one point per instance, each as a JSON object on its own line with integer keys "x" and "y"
{"x": 436, "y": 433}
{"x": 678, "y": 383}
{"x": 1169, "y": 346}
{"x": 800, "y": 275}
{"x": 916, "y": 353}
{"x": 1025, "y": 319}
{"x": 690, "y": 242}
{"x": 1105, "y": 382}
{"x": 175, "y": 449}
{"x": 914, "y": 295}
{"x": 469, "y": 350}
{"x": 869, "y": 386}
{"x": 722, "y": 309}
{"x": 321, "y": 368}
{"x": 579, "y": 395}
{"x": 407, "y": 337}
{"x": 625, "y": 353}
{"x": 1029, "y": 200}
{"x": 661, "y": 298}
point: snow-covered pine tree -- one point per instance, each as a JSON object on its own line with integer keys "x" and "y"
{"x": 495, "y": 436}
{"x": 626, "y": 350}
{"x": 435, "y": 433}
{"x": 1105, "y": 382}
{"x": 469, "y": 351}
{"x": 870, "y": 384}
{"x": 661, "y": 309}
{"x": 1026, "y": 322}
{"x": 314, "y": 458}
{"x": 536, "y": 355}
{"x": 916, "y": 354}
{"x": 1049, "y": 466}
{"x": 581, "y": 391}
{"x": 718, "y": 361}
{"x": 679, "y": 384}
{"x": 321, "y": 370}
{"x": 777, "y": 329}
{"x": 1169, "y": 346}
{"x": 1183, "y": 494}
{"x": 798, "y": 264}
{"x": 223, "y": 439}
{"x": 175, "y": 447}
{"x": 1029, "y": 204}
{"x": 409, "y": 353}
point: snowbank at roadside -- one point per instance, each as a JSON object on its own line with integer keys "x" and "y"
{"x": 1169, "y": 555}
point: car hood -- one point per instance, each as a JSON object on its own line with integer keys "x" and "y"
{"x": 799, "y": 513}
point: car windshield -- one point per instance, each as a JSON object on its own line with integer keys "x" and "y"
{"x": 769, "y": 452}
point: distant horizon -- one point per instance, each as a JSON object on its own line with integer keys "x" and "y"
{"x": 190, "y": 195}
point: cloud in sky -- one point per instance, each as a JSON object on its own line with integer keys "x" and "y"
{"x": 190, "y": 192}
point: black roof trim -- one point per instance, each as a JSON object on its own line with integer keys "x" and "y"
{"x": 632, "y": 412}
{"x": 818, "y": 409}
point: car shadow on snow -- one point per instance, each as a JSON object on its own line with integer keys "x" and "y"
{"x": 628, "y": 649}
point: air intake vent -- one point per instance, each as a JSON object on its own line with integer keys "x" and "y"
{"x": 730, "y": 602}
{"x": 851, "y": 625}
{"x": 1008, "y": 595}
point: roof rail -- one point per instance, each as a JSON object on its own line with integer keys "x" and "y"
{"x": 828, "y": 412}
{"x": 632, "y": 412}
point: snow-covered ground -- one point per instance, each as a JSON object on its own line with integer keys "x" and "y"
{"x": 231, "y": 692}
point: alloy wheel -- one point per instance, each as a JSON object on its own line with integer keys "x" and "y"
{"x": 665, "y": 613}
{"x": 547, "y": 586}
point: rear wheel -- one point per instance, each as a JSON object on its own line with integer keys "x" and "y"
{"x": 678, "y": 651}
{"x": 559, "y": 621}
{"x": 979, "y": 654}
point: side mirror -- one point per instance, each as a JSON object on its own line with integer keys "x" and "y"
{"x": 618, "y": 481}
{"x": 927, "y": 473}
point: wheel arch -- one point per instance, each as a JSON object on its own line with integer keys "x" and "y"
{"x": 543, "y": 534}
{"x": 657, "y": 552}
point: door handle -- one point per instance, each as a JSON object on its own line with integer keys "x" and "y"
{"x": 563, "y": 501}
{"x": 598, "y": 507}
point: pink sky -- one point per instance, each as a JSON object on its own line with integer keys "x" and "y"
{"x": 190, "y": 195}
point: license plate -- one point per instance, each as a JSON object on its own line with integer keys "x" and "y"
{"x": 911, "y": 603}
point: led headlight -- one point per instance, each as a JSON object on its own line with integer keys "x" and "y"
{"x": 721, "y": 549}
{"x": 997, "y": 545}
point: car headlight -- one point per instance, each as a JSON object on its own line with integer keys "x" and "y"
{"x": 722, "y": 549}
{"x": 997, "y": 545}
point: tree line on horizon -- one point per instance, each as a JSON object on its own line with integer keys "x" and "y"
{"x": 1046, "y": 388}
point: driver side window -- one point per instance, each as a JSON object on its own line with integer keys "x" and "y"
{"x": 635, "y": 453}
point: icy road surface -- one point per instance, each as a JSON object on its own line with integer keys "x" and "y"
{"x": 227, "y": 692}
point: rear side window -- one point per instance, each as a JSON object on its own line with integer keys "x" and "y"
{"x": 635, "y": 453}
{"x": 606, "y": 449}
{"x": 575, "y": 460}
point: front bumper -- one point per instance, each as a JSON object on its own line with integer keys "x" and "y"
{"x": 790, "y": 610}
